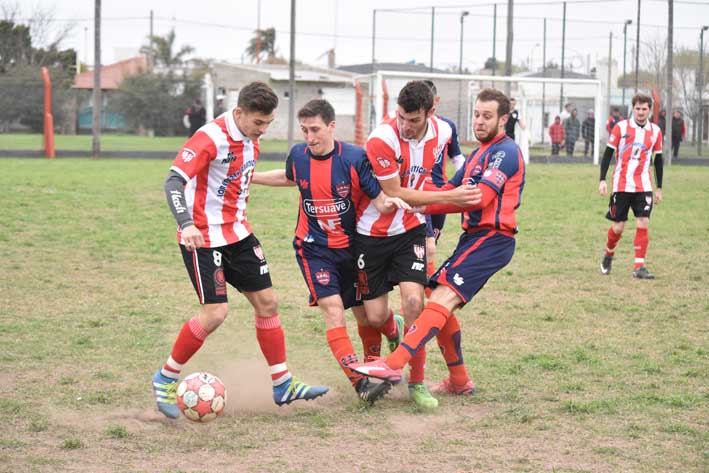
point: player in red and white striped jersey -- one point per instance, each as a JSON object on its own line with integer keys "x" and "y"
{"x": 633, "y": 141}
{"x": 390, "y": 248}
{"x": 207, "y": 190}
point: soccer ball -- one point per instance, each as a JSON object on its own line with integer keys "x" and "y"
{"x": 201, "y": 397}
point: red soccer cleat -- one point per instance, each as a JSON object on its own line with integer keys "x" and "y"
{"x": 377, "y": 369}
{"x": 446, "y": 387}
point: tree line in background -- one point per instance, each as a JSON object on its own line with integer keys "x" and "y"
{"x": 155, "y": 100}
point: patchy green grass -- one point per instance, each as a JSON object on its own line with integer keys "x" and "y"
{"x": 575, "y": 371}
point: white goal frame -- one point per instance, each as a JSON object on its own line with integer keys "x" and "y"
{"x": 474, "y": 80}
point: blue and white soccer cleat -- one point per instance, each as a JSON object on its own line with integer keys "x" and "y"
{"x": 165, "y": 390}
{"x": 293, "y": 390}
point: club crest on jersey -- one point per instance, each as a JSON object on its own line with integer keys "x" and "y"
{"x": 343, "y": 189}
{"x": 383, "y": 162}
{"x": 258, "y": 251}
{"x": 187, "y": 155}
{"x": 323, "y": 277}
{"x": 420, "y": 251}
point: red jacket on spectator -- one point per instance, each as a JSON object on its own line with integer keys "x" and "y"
{"x": 556, "y": 132}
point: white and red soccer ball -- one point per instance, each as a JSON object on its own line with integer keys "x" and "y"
{"x": 201, "y": 397}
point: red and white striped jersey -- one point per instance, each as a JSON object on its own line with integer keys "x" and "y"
{"x": 217, "y": 163}
{"x": 634, "y": 146}
{"x": 392, "y": 155}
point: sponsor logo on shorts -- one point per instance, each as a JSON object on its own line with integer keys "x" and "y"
{"x": 219, "y": 282}
{"x": 383, "y": 162}
{"x": 458, "y": 279}
{"x": 258, "y": 251}
{"x": 417, "y": 266}
{"x": 187, "y": 155}
{"x": 263, "y": 269}
{"x": 323, "y": 277}
{"x": 420, "y": 251}
{"x": 343, "y": 189}
{"x": 362, "y": 283}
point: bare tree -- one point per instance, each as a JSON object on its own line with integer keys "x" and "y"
{"x": 654, "y": 60}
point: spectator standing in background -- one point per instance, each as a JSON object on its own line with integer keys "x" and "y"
{"x": 588, "y": 132}
{"x": 556, "y": 133}
{"x": 196, "y": 116}
{"x": 679, "y": 130}
{"x": 613, "y": 119}
{"x": 566, "y": 113}
{"x": 572, "y": 129}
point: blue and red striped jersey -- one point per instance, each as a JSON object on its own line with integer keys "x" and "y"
{"x": 332, "y": 188}
{"x": 452, "y": 149}
{"x": 498, "y": 164}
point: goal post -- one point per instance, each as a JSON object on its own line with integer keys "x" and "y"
{"x": 538, "y": 101}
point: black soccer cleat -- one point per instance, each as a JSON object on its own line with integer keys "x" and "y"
{"x": 370, "y": 392}
{"x": 606, "y": 264}
{"x": 643, "y": 273}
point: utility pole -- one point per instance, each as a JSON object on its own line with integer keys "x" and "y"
{"x": 96, "y": 122}
{"x": 374, "y": 37}
{"x": 494, "y": 39}
{"x": 544, "y": 74}
{"x": 463, "y": 14}
{"x": 258, "y": 32}
{"x": 625, "y": 45}
{"x": 610, "y": 64}
{"x": 151, "y": 57}
{"x": 433, "y": 24}
{"x": 291, "y": 76}
{"x": 508, "y": 49}
{"x": 700, "y": 121}
{"x": 670, "y": 38}
{"x": 563, "y": 49}
{"x": 637, "y": 50}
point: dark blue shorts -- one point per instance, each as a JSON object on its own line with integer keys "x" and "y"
{"x": 328, "y": 271}
{"x": 434, "y": 225}
{"x": 477, "y": 257}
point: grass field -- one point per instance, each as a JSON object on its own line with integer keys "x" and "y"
{"x": 576, "y": 372}
{"x": 109, "y": 142}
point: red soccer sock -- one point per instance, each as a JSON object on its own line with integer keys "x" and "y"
{"x": 449, "y": 343}
{"x": 427, "y": 326}
{"x": 371, "y": 341}
{"x": 642, "y": 238}
{"x": 612, "y": 242}
{"x": 272, "y": 341}
{"x": 188, "y": 341}
{"x": 389, "y": 329}
{"x": 417, "y": 364}
{"x": 341, "y": 348}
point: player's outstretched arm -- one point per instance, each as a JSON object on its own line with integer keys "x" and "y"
{"x": 385, "y": 204}
{"x": 273, "y": 178}
{"x": 488, "y": 195}
{"x": 462, "y": 196}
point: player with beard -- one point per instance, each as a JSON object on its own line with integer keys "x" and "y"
{"x": 485, "y": 247}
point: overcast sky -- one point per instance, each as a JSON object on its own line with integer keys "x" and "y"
{"x": 221, "y": 29}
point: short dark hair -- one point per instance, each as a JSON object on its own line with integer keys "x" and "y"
{"x": 432, "y": 86}
{"x": 415, "y": 95}
{"x": 615, "y": 109}
{"x": 318, "y": 108}
{"x": 642, "y": 98}
{"x": 494, "y": 95}
{"x": 257, "y": 97}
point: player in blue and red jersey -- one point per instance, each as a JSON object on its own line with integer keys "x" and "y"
{"x": 485, "y": 247}
{"x": 336, "y": 184}
{"x": 439, "y": 178}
